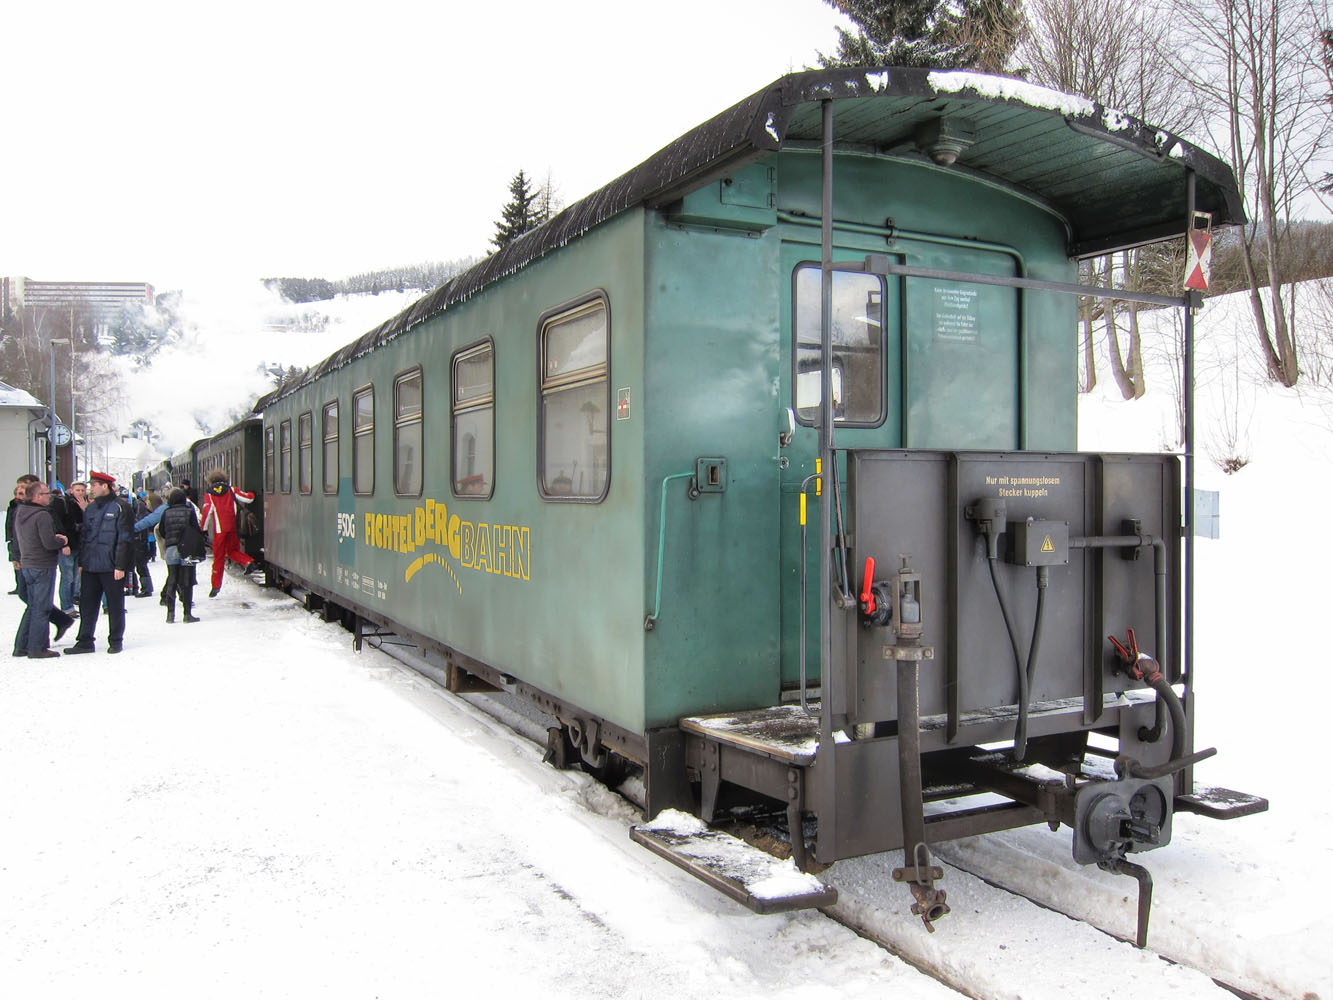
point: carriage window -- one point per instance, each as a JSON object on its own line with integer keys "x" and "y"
{"x": 474, "y": 422}
{"x": 303, "y": 441}
{"x": 269, "y": 466}
{"x": 573, "y": 462}
{"x": 285, "y": 443}
{"x": 331, "y": 447}
{"x": 407, "y": 434}
{"x": 363, "y": 440}
{"x": 858, "y": 346}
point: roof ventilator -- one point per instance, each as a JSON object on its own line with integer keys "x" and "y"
{"x": 945, "y": 139}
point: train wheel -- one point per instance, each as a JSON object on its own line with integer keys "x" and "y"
{"x": 612, "y": 772}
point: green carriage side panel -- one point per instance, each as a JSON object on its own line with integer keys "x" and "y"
{"x": 532, "y": 587}
{"x": 712, "y": 357}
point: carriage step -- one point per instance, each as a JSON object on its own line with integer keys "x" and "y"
{"x": 748, "y": 875}
{"x": 1220, "y": 803}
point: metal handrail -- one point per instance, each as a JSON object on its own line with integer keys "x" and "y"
{"x": 650, "y": 622}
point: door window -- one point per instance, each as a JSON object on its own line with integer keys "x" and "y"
{"x": 858, "y": 346}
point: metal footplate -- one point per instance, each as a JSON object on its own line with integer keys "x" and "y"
{"x": 757, "y": 880}
{"x": 1220, "y": 803}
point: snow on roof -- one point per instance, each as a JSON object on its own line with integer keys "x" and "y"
{"x": 9, "y": 396}
{"x": 1006, "y": 88}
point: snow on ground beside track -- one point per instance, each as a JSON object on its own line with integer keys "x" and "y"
{"x": 244, "y": 807}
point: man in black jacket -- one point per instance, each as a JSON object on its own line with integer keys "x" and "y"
{"x": 67, "y": 513}
{"x": 106, "y": 553}
{"x": 142, "y": 541}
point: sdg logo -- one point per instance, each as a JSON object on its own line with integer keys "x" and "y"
{"x": 346, "y": 525}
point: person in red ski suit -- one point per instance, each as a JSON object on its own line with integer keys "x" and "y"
{"x": 219, "y": 516}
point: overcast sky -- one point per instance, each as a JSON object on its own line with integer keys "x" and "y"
{"x": 174, "y": 143}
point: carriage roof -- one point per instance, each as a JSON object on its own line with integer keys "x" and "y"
{"x": 1117, "y": 181}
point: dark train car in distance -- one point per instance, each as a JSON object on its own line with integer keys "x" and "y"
{"x": 238, "y": 452}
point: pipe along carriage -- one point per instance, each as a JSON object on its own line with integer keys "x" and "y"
{"x": 757, "y": 467}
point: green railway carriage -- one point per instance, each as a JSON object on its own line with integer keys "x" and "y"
{"x": 158, "y": 476}
{"x": 580, "y": 468}
{"x": 239, "y": 452}
{"x": 181, "y": 466}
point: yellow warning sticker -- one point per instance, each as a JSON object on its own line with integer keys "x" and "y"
{"x": 1047, "y": 546}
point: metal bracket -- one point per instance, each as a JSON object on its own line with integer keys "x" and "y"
{"x": 586, "y": 737}
{"x": 918, "y": 653}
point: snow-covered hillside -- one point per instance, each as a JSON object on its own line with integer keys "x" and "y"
{"x": 236, "y": 335}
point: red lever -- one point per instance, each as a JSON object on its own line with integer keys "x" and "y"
{"x": 867, "y": 585}
{"x": 1142, "y": 667}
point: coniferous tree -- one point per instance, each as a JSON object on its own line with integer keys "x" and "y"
{"x": 521, "y": 213}
{"x": 934, "y": 34}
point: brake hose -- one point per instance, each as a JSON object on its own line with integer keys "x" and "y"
{"x": 1025, "y": 676}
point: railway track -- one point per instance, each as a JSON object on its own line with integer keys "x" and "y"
{"x": 1005, "y": 944}
{"x": 1004, "y": 938}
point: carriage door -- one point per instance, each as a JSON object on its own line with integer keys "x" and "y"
{"x": 867, "y": 347}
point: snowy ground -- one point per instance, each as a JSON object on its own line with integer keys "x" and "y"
{"x": 246, "y": 808}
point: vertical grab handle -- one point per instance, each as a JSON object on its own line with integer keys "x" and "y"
{"x": 650, "y": 622}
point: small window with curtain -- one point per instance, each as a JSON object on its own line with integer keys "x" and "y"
{"x": 330, "y": 431}
{"x": 304, "y": 446}
{"x": 575, "y": 421}
{"x": 285, "y": 463}
{"x": 363, "y": 441}
{"x": 857, "y": 370}
{"x": 474, "y": 422}
{"x": 407, "y": 440}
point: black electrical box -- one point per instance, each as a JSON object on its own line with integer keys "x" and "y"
{"x": 1039, "y": 543}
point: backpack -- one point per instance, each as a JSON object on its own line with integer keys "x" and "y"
{"x": 191, "y": 544}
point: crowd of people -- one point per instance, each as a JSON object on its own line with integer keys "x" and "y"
{"x": 80, "y": 551}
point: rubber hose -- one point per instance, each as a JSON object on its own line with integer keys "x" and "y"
{"x": 1021, "y": 732}
{"x": 1166, "y": 694}
{"x": 1043, "y": 579}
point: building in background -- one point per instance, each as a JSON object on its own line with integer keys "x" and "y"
{"x": 102, "y": 299}
{"x": 22, "y": 433}
{"x": 41, "y": 318}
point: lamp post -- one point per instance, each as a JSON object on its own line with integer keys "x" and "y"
{"x": 51, "y": 421}
{"x": 73, "y": 432}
